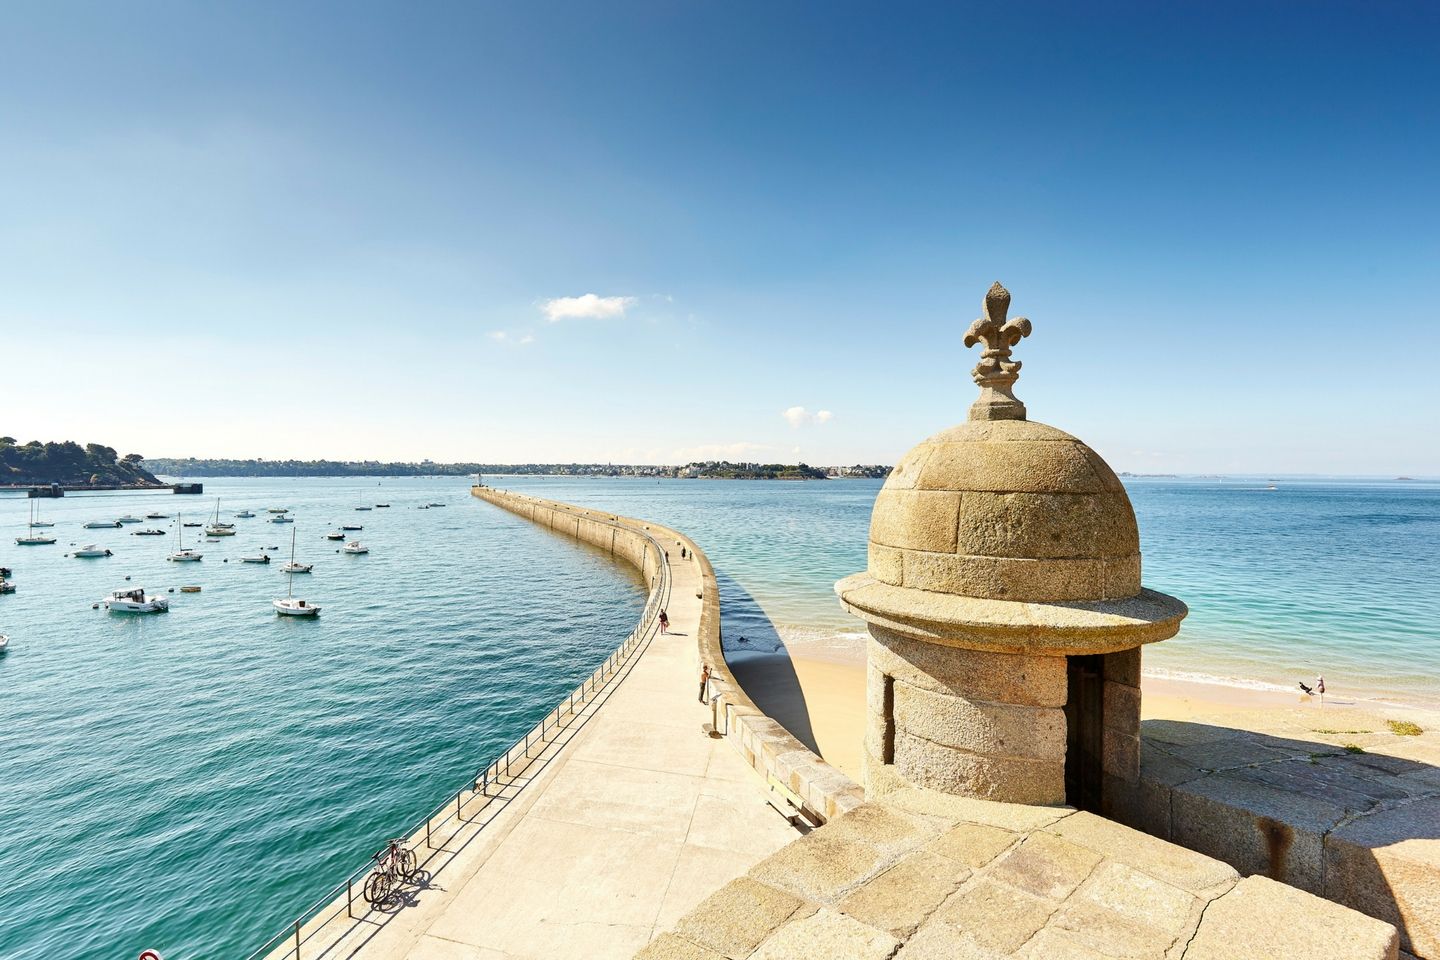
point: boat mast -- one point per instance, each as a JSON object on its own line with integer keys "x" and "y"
{"x": 290, "y": 591}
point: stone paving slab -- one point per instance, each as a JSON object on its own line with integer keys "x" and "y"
{"x": 986, "y": 881}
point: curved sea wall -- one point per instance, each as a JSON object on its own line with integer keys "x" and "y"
{"x": 787, "y": 765}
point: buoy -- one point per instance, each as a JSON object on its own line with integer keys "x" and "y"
{"x": 171, "y": 590}
{"x": 127, "y": 578}
{"x": 94, "y": 606}
{"x": 226, "y": 560}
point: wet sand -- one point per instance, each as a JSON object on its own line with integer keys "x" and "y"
{"x": 822, "y": 702}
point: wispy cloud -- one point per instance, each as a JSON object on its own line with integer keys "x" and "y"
{"x": 587, "y": 307}
{"x": 503, "y": 336}
{"x": 798, "y": 416}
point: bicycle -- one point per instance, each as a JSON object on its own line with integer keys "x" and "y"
{"x": 394, "y": 866}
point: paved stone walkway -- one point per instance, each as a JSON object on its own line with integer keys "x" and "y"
{"x": 627, "y": 824}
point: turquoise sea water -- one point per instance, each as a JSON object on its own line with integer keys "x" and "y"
{"x": 186, "y": 781}
{"x": 1334, "y": 577}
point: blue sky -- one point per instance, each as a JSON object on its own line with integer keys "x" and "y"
{"x": 364, "y": 230}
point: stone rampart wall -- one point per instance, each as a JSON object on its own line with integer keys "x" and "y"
{"x": 767, "y": 746}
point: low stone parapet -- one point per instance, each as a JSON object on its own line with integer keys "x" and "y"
{"x": 821, "y": 790}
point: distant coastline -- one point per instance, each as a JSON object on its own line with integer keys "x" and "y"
{"x": 707, "y": 470}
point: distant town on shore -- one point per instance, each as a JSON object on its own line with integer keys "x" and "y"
{"x": 706, "y": 470}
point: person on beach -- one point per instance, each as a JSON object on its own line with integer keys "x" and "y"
{"x": 682, "y": 553}
{"x": 704, "y": 682}
{"x": 664, "y": 622}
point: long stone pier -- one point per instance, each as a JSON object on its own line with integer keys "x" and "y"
{"x": 616, "y": 820}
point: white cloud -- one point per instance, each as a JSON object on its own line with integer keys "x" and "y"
{"x": 499, "y": 336}
{"x": 587, "y": 307}
{"x": 798, "y": 416}
{"x": 742, "y": 451}
{"x": 528, "y": 338}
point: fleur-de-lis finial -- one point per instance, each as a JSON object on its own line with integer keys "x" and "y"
{"x": 996, "y": 373}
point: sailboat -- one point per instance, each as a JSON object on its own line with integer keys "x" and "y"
{"x": 182, "y": 554}
{"x": 218, "y": 529}
{"x": 291, "y": 607}
{"x": 30, "y": 539}
{"x": 292, "y": 566}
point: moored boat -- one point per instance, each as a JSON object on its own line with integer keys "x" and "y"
{"x": 148, "y": 533}
{"x": 244, "y": 515}
{"x": 4, "y": 643}
{"x": 102, "y": 524}
{"x": 135, "y": 601}
{"x": 152, "y": 515}
{"x": 351, "y": 526}
{"x": 256, "y": 558}
{"x": 355, "y": 546}
{"x": 31, "y": 538}
{"x": 127, "y": 519}
{"x": 290, "y": 606}
{"x": 282, "y": 519}
{"x": 337, "y": 535}
{"x": 182, "y": 554}
{"x": 90, "y": 550}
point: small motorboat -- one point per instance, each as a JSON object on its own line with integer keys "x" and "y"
{"x": 157, "y": 516}
{"x": 148, "y": 533}
{"x": 293, "y": 567}
{"x": 102, "y": 524}
{"x": 362, "y": 508}
{"x": 351, "y": 526}
{"x": 43, "y": 523}
{"x": 135, "y": 601}
{"x": 127, "y": 519}
{"x": 257, "y": 558}
{"x": 423, "y": 506}
{"x": 6, "y": 586}
{"x": 290, "y": 607}
{"x": 337, "y": 535}
{"x": 244, "y": 515}
{"x": 355, "y": 546}
{"x": 435, "y": 504}
{"x": 282, "y": 519}
{"x": 90, "y": 550}
{"x": 4, "y": 643}
{"x": 194, "y": 524}
{"x": 190, "y": 588}
{"x": 277, "y": 510}
{"x": 382, "y": 506}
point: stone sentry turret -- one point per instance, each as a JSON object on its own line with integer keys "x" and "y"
{"x": 1004, "y": 606}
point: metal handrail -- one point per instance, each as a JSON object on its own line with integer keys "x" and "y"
{"x": 483, "y": 778}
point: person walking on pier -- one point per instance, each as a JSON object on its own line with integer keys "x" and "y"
{"x": 664, "y": 622}
{"x": 704, "y": 682}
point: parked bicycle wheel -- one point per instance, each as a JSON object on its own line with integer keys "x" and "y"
{"x": 406, "y": 863}
{"x": 378, "y": 889}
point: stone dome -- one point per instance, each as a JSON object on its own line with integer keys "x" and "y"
{"x": 1006, "y": 510}
{"x": 1007, "y": 535}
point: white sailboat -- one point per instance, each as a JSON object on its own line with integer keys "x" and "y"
{"x": 218, "y": 529}
{"x": 182, "y": 553}
{"x": 31, "y": 539}
{"x": 290, "y": 606}
{"x": 292, "y": 566}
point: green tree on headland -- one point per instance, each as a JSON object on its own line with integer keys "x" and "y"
{"x": 69, "y": 464}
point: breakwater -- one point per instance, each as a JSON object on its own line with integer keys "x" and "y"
{"x": 817, "y": 789}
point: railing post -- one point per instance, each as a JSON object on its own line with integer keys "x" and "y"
{"x": 297, "y": 940}
{"x": 457, "y": 807}
{"x": 349, "y": 894}
{"x": 428, "y": 844}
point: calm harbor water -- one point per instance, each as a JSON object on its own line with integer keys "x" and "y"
{"x": 186, "y": 780}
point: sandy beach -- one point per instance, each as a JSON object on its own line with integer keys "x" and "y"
{"x": 822, "y": 702}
